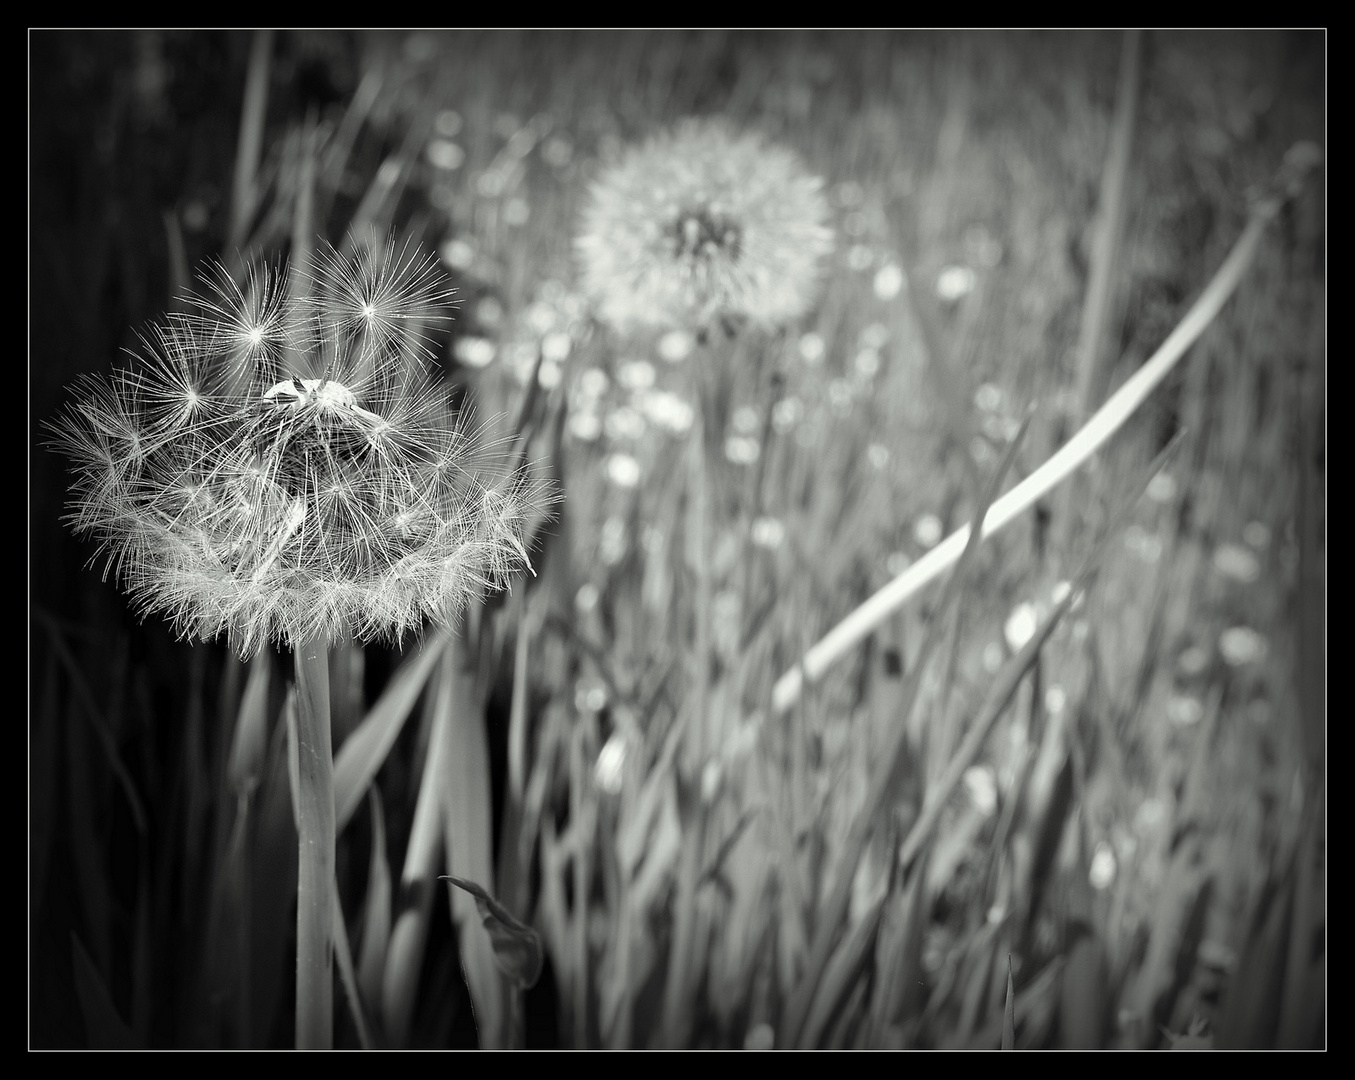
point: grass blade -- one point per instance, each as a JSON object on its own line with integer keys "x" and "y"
{"x": 249, "y": 148}
{"x": 468, "y": 838}
{"x": 1009, "y": 1012}
{"x": 344, "y": 957}
{"x": 104, "y": 1027}
{"x": 364, "y": 752}
{"x": 404, "y": 956}
{"x": 376, "y": 920}
{"x": 881, "y": 783}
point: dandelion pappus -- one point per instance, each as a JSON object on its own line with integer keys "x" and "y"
{"x": 302, "y": 418}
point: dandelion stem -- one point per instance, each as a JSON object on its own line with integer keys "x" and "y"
{"x": 315, "y": 828}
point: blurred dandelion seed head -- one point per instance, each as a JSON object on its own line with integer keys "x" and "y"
{"x": 786, "y": 413}
{"x": 1240, "y": 645}
{"x": 927, "y": 530}
{"x": 981, "y": 785}
{"x": 623, "y": 471}
{"x": 955, "y": 282}
{"x": 608, "y": 772}
{"x": 1020, "y": 626}
{"x": 768, "y": 533}
{"x": 874, "y": 336}
{"x": 742, "y": 449}
{"x": 585, "y": 426}
{"x": 614, "y": 540}
{"x": 476, "y": 352}
{"x": 676, "y": 345}
{"x": 1236, "y": 562}
{"x": 1162, "y": 487}
{"x": 667, "y": 410}
{"x": 636, "y": 375}
{"x": 897, "y": 562}
{"x": 1101, "y": 873}
{"x": 278, "y": 463}
{"x": 889, "y": 281}
{"x": 1184, "y": 709}
{"x": 1257, "y": 535}
{"x": 699, "y": 223}
{"x": 812, "y": 348}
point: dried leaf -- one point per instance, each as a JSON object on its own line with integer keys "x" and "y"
{"x": 517, "y": 947}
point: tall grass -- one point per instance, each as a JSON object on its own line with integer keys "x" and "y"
{"x": 1031, "y": 807}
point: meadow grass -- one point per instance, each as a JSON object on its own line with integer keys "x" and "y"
{"x": 1031, "y": 807}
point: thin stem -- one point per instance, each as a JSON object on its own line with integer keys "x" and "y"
{"x": 315, "y": 828}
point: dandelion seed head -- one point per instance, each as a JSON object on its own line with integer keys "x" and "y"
{"x": 1193, "y": 660}
{"x": 550, "y": 373}
{"x": 1020, "y": 626}
{"x": 1257, "y": 535}
{"x": 623, "y": 470}
{"x": 955, "y": 282}
{"x": 585, "y": 426}
{"x": 1102, "y": 871}
{"x": 590, "y": 695}
{"x": 745, "y": 420}
{"x": 927, "y": 531}
{"x": 699, "y": 223}
{"x": 1162, "y": 487}
{"x": 860, "y": 257}
{"x": 1241, "y": 645}
{"x": 889, "y": 281}
{"x": 458, "y": 254}
{"x": 768, "y": 533}
{"x": 476, "y": 352}
{"x": 988, "y": 397}
{"x": 636, "y": 375}
{"x": 667, "y": 410}
{"x": 896, "y": 562}
{"x": 981, "y": 786}
{"x": 742, "y": 449}
{"x": 593, "y": 382}
{"x": 625, "y": 423}
{"x": 676, "y": 345}
{"x": 611, "y": 761}
{"x": 1236, "y": 562}
{"x": 786, "y": 413}
{"x": 276, "y": 467}
{"x": 1184, "y": 709}
{"x": 874, "y": 336}
{"x": 614, "y": 540}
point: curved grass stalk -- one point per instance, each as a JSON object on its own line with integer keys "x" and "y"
{"x": 1074, "y": 453}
